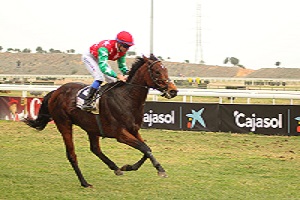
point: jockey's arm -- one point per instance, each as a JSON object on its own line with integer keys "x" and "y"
{"x": 102, "y": 62}
{"x": 122, "y": 64}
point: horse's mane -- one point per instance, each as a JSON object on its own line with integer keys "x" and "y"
{"x": 137, "y": 64}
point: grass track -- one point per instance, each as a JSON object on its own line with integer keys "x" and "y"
{"x": 200, "y": 165}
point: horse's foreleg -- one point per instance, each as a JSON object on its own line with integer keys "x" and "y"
{"x": 139, "y": 163}
{"x": 138, "y": 143}
{"x": 95, "y": 148}
{"x": 160, "y": 170}
{"x": 70, "y": 150}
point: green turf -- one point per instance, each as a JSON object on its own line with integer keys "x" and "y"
{"x": 200, "y": 165}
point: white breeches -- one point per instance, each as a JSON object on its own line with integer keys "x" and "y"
{"x": 92, "y": 66}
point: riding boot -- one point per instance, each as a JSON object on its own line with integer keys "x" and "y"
{"x": 88, "y": 101}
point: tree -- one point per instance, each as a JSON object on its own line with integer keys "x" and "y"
{"x": 26, "y": 50}
{"x": 40, "y": 50}
{"x": 277, "y": 63}
{"x": 71, "y": 51}
{"x": 226, "y": 60}
{"x": 54, "y": 51}
{"x": 17, "y": 50}
{"x": 160, "y": 58}
{"x": 1, "y": 48}
{"x": 10, "y": 49}
{"x": 232, "y": 60}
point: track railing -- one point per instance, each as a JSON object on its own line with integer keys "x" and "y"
{"x": 185, "y": 93}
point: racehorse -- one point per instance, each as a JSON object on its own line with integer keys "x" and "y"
{"x": 121, "y": 113}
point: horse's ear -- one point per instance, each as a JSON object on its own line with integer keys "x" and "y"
{"x": 152, "y": 57}
{"x": 145, "y": 58}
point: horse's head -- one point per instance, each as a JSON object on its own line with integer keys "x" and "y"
{"x": 159, "y": 78}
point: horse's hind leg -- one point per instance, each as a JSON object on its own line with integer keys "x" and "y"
{"x": 66, "y": 132}
{"x": 135, "y": 166}
{"x": 95, "y": 148}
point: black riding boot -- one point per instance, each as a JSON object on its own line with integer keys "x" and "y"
{"x": 87, "y": 105}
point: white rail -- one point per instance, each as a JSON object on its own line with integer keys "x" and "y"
{"x": 21, "y": 76}
{"x": 221, "y": 93}
{"x": 228, "y": 93}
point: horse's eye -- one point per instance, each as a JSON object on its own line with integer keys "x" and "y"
{"x": 157, "y": 73}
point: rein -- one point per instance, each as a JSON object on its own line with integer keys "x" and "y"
{"x": 146, "y": 87}
{"x": 137, "y": 85}
{"x": 104, "y": 91}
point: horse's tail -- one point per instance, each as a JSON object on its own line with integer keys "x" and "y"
{"x": 43, "y": 117}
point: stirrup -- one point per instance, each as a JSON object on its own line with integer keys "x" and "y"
{"x": 87, "y": 106}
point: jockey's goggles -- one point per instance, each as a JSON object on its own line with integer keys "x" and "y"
{"x": 126, "y": 46}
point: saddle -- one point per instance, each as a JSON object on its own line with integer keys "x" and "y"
{"x": 81, "y": 95}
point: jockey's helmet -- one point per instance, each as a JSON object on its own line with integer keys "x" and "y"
{"x": 125, "y": 38}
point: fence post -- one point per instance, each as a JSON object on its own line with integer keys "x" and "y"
{"x": 24, "y": 93}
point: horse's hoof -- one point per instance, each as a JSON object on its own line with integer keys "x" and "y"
{"x": 162, "y": 174}
{"x": 87, "y": 185}
{"x": 118, "y": 172}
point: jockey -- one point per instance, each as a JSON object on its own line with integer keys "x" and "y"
{"x": 96, "y": 59}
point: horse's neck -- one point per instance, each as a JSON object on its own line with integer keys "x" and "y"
{"x": 137, "y": 89}
{"x": 137, "y": 92}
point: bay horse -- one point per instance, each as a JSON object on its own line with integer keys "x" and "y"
{"x": 121, "y": 114}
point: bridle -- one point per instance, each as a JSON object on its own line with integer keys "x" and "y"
{"x": 155, "y": 80}
{"x": 158, "y": 82}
